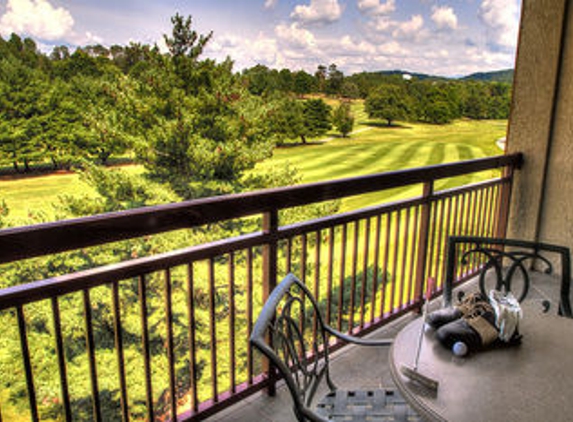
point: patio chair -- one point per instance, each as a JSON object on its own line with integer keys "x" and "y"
{"x": 509, "y": 265}
{"x": 292, "y": 334}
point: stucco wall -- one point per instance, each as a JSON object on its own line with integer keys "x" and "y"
{"x": 541, "y": 125}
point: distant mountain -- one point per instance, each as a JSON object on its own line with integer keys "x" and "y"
{"x": 497, "y": 76}
{"x": 405, "y": 73}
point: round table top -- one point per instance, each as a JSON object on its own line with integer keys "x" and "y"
{"x": 529, "y": 382}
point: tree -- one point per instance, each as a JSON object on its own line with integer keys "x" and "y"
{"x": 349, "y": 90}
{"x": 476, "y": 104}
{"x": 334, "y": 81}
{"x": 23, "y": 106}
{"x": 438, "y": 112}
{"x": 285, "y": 119}
{"x": 320, "y": 76}
{"x": 316, "y": 119}
{"x": 285, "y": 80}
{"x": 388, "y": 102}
{"x": 258, "y": 79}
{"x": 185, "y": 47}
{"x": 185, "y": 42}
{"x": 202, "y": 143}
{"x": 343, "y": 119}
{"x": 303, "y": 83}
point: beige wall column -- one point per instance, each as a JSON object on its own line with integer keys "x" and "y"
{"x": 541, "y": 125}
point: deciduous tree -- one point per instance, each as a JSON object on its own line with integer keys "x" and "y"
{"x": 343, "y": 119}
{"x": 388, "y": 102}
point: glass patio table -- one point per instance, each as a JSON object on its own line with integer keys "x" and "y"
{"x": 529, "y": 382}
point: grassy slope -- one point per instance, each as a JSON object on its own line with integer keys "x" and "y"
{"x": 39, "y": 193}
{"x": 380, "y": 149}
{"x": 372, "y": 149}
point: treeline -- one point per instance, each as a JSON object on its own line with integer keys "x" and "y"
{"x": 430, "y": 99}
{"x": 97, "y": 103}
{"x": 174, "y": 112}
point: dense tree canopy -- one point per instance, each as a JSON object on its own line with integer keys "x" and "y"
{"x": 388, "y": 102}
{"x": 192, "y": 120}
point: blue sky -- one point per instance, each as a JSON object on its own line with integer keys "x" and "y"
{"x": 450, "y": 38}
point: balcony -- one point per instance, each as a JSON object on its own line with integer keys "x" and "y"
{"x": 165, "y": 336}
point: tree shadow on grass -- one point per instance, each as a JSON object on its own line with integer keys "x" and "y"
{"x": 298, "y": 144}
{"x": 385, "y": 125}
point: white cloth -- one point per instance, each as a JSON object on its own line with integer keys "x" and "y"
{"x": 507, "y": 313}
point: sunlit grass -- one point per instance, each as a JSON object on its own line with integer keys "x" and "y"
{"x": 373, "y": 148}
{"x": 381, "y": 149}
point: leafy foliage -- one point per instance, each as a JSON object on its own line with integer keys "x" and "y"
{"x": 388, "y": 102}
{"x": 316, "y": 118}
{"x": 342, "y": 119}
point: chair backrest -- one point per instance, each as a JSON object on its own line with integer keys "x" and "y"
{"x": 504, "y": 263}
{"x": 290, "y": 333}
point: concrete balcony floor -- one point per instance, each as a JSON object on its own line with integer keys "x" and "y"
{"x": 353, "y": 367}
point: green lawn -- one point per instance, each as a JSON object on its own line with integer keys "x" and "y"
{"x": 376, "y": 149}
{"x": 373, "y": 148}
{"x": 37, "y": 194}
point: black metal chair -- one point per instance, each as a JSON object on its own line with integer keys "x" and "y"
{"x": 292, "y": 334}
{"x": 507, "y": 264}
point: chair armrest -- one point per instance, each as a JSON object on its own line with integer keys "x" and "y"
{"x": 357, "y": 340}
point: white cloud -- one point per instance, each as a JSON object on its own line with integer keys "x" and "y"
{"x": 270, "y": 4}
{"x": 93, "y": 39}
{"x": 444, "y": 17}
{"x": 36, "y": 18}
{"x": 410, "y": 29}
{"x": 375, "y": 8}
{"x": 348, "y": 46}
{"x": 502, "y": 20}
{"x": 319, "y": 11}
{"x": 383, "y": 24}
{"x": 295, "y": 36}
{"x": 392, "y": 48}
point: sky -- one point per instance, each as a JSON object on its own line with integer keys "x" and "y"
{"x": 447, "y": 38}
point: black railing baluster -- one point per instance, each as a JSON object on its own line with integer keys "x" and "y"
{"x": 168, "y": 292}
{"x": 213, "y": 330}
{"x": 404, "y": 260}
{"x": 376, "y": 269}
{"x": 316, "y": 287}
{"x": 330, "y": 275}
{"x": 415, "y": 249}
{"x": 288, "y": 255}
{"x": 232, "y": 311}
{"x": 395, "y": 252}
{"x": 61, "y": 359}
{"x": 431, "y": 256}
{"x": 193, "y": 375}
{"x": 270, "y": 256}
{"x": 353, "y": 276}
{"x": 119, "y": 350}
{"x": 385, "y": 272}
{"x": 90, "y": 345}
{"x": 364, "y": 271}
{"x": 27, "y": 364}
{"x": 249, "y": 265}
{"x": 142, "y": 290}
{"x": 341, "y": 279}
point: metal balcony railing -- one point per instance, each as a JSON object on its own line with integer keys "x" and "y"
{"x": 165, "y": 336}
